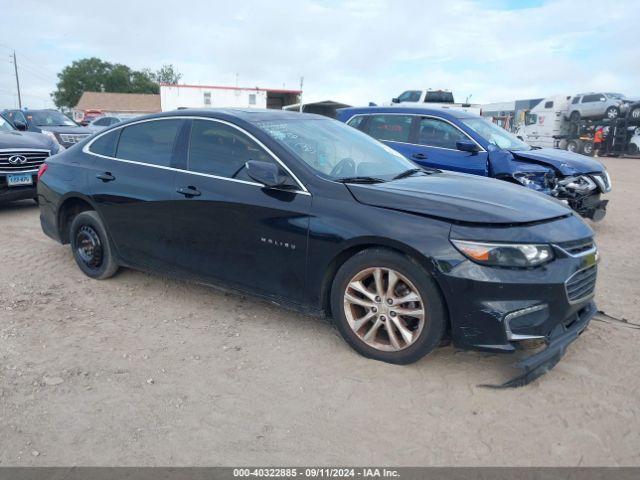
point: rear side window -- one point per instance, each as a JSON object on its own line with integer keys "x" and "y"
{"x": 149, "y": 142}
{"x": 393, "y": 128}
{"x": 436, "y": 133}
{"x": 221, "y": 150}
{"x": 106, "y": 144}
{"x": 591, "y": 98}
{"x": 356, "y": 122}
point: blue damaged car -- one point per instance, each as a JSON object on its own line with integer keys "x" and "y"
{"x": 463, "y": 142}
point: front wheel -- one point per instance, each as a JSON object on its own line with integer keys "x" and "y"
{"x": 387, "y": 307}
{"x": 612, "y": 112}
{"x": 90, "y": 246}
{"x": 574, "y": 146}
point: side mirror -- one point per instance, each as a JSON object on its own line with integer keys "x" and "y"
{"x": 395, "y": 100}
{"x": 20, "y": 125}
{"x": 265, "y": 173}
{"x": 467, "y": 146}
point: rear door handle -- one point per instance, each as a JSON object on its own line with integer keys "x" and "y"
{"x": 419, "y": 156}
{"x": 189, "y": 191}
{"x": 105, "y": 177}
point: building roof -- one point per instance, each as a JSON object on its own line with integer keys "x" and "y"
{"x": 120, "y": 102}
{"x": 223, "y": 87}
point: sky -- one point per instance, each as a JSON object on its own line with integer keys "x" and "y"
{"x": 354, "y": 51}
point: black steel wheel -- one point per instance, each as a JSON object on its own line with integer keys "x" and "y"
{"x": 90, "y": 246}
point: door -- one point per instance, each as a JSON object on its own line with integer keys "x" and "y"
{"x": 231, "y": 229}
{"x": 592, "y": 105}
{"x": 132, "y": 184}
{"x": 435, "y": 146}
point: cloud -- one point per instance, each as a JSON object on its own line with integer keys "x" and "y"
{"x": 355, "y": 51}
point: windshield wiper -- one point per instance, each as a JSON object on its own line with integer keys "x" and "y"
{"x": 360, "y": 180}
{"x": 413, "y": 171}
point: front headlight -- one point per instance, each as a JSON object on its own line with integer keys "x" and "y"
{"x": 505, "y": 255}
{"x": 50, "y": 134}
{"x": 580, "y": 184}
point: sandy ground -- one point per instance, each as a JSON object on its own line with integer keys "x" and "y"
{"x": 143, "y": 370}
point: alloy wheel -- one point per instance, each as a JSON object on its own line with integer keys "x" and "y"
{"x": 384, "y": 309}
{"x": 89, "y": 247}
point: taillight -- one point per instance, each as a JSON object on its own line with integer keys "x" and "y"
{"x": 43, "y": 168}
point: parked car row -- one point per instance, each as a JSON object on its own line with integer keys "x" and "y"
{"x": 315, "y": 214}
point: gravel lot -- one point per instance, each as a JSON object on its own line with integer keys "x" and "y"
{"x": 143, "y": 370}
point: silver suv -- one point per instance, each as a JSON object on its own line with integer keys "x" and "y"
{"x": 597, "y": 105}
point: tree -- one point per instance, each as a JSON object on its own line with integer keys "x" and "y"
{"x": 167, "y": 74}
{"x": 95, "y": 75}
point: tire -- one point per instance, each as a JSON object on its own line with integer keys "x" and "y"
{"x": 635, "y": 113}
{"x": 612, "y": 112}
{"x": 90, "y": 246}
{"x": 587, "y": 148}
{"x": 574, "y": 146}
{"x": 633, "y": 149}
{"x": 414, "y": 282}
{"x": 575, "y": 116}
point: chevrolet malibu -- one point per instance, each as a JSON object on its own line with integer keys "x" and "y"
{"x": 308, "y": 212}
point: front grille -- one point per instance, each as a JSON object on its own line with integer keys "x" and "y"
{"x": 577, "y": 247}
{"x": 581, "y": 284}
{"x": 73, "y": 137}
{"x": 34, "y": 158}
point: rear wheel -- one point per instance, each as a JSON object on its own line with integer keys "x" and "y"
{"x": 587, "y": 148}
{"x": 612, "y": 112}
{"x": 633, "y": 149}
{"x": 387, "y": 307}
{"x": 574, "y": 146}
{"x": 90, "y": 246}
{"x": 635, "y": 113}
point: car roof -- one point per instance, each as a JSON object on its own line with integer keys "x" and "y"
{"x": 250, "y": 115}
{"x": 446, "y": 113}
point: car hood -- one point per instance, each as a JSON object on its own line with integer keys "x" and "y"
{"x": 26, "y": 140}
{"x": 567, "y": 163}
{"x": 65, "y": 129}
{"x": 461, "y": 198}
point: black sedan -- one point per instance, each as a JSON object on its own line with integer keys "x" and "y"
{"x": 305, "y": 211}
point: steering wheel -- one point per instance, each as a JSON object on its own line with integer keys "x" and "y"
{"x": 344, "y": 168}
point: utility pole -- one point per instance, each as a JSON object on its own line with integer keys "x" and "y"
{"x": 301, "y": 84}
{"x": 15, "y": 67}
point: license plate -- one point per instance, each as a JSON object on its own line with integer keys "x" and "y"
{"x": 18, "y": 179}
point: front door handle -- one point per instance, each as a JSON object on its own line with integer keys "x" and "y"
{"x": 419, "y": 156}
{"x": 105, "y": 177}
{"x": 189, "y": 191}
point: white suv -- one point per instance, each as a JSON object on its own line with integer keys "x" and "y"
{"x": 596, "y": 105}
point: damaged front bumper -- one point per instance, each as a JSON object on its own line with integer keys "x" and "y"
{"x": 539, "y": 363}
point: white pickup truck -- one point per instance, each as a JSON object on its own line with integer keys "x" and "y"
{"x": 432, "y": 99}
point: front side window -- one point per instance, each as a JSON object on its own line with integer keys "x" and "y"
{"x": 393, "y": 128}
{"x": 335, "y": 150}
{"x": 575, "y": 100}
{"x": 436, "y": 133}
{"x": 5, "y": 126}
{"x": 149, "y": 142}
{"x": 410, "y": 96}
{"x": 221, "y": 150}
{"x": 497, "y": 135}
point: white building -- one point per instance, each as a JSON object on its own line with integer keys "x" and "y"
{"x": 173, "y": 97}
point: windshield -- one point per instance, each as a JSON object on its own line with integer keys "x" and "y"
{"x": 336, "y": 150}
{"x": 618, "y": 96}
{"x": 494, "y": 134}
{"x": 50, "y": 118}
{"x": 5, "y": 126}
